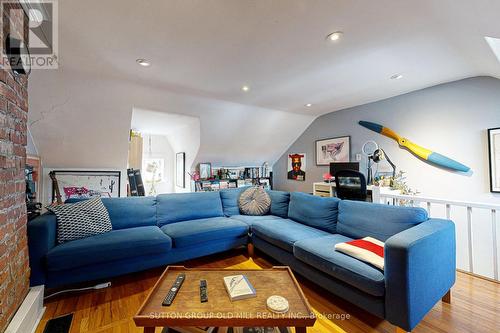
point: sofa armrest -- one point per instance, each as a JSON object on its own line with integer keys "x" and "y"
{"x": 419, "y": 269}
{"x": 41, "y": 238}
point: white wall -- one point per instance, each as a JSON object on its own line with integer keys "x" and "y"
{"x": 31, "y": 146}
{"x": 182, "y": 132}
{"x": 451, "y": 119}
{"x": 186, "y": 139}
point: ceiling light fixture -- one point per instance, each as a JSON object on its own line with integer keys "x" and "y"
{"x": 143, "y": 62}
{"x": 397, "y": 76}
{"x": 245, "y": 88}
{"x": 334, "y": 36}
{"x": 308, "y": 105}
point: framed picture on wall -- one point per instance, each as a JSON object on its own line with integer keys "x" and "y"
{"x": 205, "y": 170}
{"x": 333, "y": 150}
{"x": 296, "y": 166}
{"x": 180, "y": 169}
{"x": 494, "y": 154}
{"x": 87, "y": 184}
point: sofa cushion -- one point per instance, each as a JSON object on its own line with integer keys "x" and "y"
{"x": 229, "y": 199}
{"x": 189, "y": 233}
{"x": 284, "y": 232}
{"x": 177, "y": 207}
{"x": 111, "y": 246}
{"x": 129, "y": 212}
{"x": 361, "y": 219}
{"x": 279, "y": 203}
{"x": 250, "y": 219}
{"x": 320, "y": 253}
{"x": 314, "y": 211}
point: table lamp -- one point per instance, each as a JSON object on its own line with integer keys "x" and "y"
{"x": 379, "y": 155}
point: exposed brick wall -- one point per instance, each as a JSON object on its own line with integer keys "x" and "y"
{"x": 14, "y": 266}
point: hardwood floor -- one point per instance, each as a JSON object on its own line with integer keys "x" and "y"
{"x": 475, "y": 303}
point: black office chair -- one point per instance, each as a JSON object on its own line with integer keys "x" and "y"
{"x": 351, "y": 185}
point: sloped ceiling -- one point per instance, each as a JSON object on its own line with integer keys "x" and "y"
{"x": 204, "y": 51}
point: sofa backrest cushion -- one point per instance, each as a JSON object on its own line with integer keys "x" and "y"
{"x": 229, "y": 199}
{"x": 359, "y": 219}
{"x": 129, "y": 212}
{"x": 314, "y": 211}
{"x": 279, "y": 203}
{"x": 177, "y": 207}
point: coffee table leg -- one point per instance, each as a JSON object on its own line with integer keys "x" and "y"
{"x": 300, "y": 329}
{"x": 149, "y": 330}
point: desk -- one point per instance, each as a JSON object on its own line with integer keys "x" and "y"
{"x": 323, "y": 189}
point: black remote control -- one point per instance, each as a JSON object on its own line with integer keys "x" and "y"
{"x": 174, "y": 290}
{"x": 203, "y": 291}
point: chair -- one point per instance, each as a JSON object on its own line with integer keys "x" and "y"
{"x": 350, "y": 184}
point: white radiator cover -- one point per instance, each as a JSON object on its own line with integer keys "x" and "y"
{"x": 29, "y": 313}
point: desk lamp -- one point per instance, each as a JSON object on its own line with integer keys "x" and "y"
{"x": 379, "y": 155}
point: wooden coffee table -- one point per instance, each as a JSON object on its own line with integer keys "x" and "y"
{"x": 219, "y": 311}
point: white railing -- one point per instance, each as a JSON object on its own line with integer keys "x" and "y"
{"x": 429, "y": 202}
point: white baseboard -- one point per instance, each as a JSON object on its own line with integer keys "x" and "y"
{"x": 29, "y": 313}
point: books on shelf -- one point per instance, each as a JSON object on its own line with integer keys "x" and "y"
{"x": 233, "y": 177}
{"x": 135, "y": 182}
{"x": 238, "y": 287}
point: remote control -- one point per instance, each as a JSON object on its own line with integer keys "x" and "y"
{"x": 203, "y": 291}
{"x": 174, "y": 290}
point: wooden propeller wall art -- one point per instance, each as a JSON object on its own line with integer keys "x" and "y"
{"x": 415, "y": 149}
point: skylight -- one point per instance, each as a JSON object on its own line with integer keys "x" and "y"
{"x": 494, "y": 44}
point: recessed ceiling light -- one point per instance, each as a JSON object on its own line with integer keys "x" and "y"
{"x": 397, "y": 76}
{"x": 334, "y": 36}
{"x": 245, "y": 88}
{"x": 308, "y": 105}
{"x": 143, "y": 62}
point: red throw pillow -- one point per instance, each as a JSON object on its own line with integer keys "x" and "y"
{"x": 368, "y": 249}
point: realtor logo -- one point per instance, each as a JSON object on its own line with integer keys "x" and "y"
{"x": 29, "y": 35}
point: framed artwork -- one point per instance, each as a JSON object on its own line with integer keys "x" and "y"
{"x": 205, "y": 170}
{"x": 494, "y": 153}
{"x": 153, "y": 170}
{"x": 297, "y": 166}
{"x": 180, "y": 170}
{"x": 153, "y": 173}
{"x": 333, "y": 150}
{"x": 87, "y": 184}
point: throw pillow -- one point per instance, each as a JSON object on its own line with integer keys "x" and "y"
{"x": 81, "y": 219}
{"x": 368, "y": 249}
{"x": 254, "y": 201}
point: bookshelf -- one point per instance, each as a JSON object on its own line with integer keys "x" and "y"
{"x": 234, "y": 177}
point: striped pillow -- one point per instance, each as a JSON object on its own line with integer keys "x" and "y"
{"x": 368, "y": 249}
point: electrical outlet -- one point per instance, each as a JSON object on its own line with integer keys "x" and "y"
{"x": 358, "y": 157}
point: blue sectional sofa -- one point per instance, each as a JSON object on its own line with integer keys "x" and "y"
{"x": 300, "y": 231}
